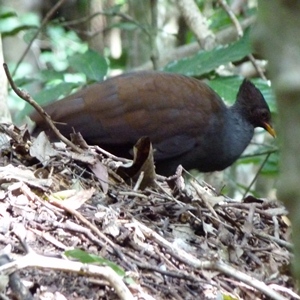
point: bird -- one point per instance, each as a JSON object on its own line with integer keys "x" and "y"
{"x": 187, "y": 121}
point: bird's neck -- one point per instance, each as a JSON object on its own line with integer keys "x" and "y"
{"x": 238, "y": 132}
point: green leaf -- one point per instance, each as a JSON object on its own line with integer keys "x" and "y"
{"x": 219, "y": 20}
{"x": 90, "y": 63}
{"x": 228, "y": 297}
{"x": 8, "y": 14}
{"x": 87, "y": 258}
{"x": 54, "y": 92}
{"x": 255, "y": 159}
{"x": 47, "y": 96}
{"x": 23, "y": 81}
{"x": 271, "y": 167}
{"x": 118, "y": 63}
{"x": 29, "y": 35}
{"x": 129, "y": 26}
{"x": 50, "y": 75}
{"x": 267, "y": 91}
{"x": 16, "y": 30}
{"x": 114, "y": 9}
{"x": 227, "y": 88}
{"x": 206, "y": 61}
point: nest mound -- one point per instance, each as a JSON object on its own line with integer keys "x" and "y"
{"x": 72, "y": 227}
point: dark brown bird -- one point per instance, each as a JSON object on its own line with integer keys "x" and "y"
{"x": 185, "y": 119}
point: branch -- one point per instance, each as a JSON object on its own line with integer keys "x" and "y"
{"x": 240, "y": 33}
{"x": 197, "y": 23}
{"x": 25, "y": 96}
{"x": 223, "y": 37}
{"x": 44, "y": 22}
{"x": 35, "y": 260}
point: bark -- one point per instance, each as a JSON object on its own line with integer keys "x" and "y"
{"x": 97, "y": 26}
{"x": 4, "y": 111}
{"x": 277, "y": 37}
{"x": 197, "y": 23}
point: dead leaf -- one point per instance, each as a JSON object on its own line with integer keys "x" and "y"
{"x": 42, "y": 149}
{"x": 75, "y": 198}
{"x": 5, "y": 218}
{"x": 143, "y": 161}
{"x": 209, "y": 228}
{"x": 10, "y": 172}
{"x": 235, "y": 252}
{"x": 78, "y": 139}
{"x": 176, "y": 181}
{"x": 110, "y": 224}
{"x": 101, "y": 173}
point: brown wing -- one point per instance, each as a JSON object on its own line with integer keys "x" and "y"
{"x": 171, "y": 109}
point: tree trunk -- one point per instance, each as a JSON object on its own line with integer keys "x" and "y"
{"x": 277, "y": 37}
{"x": 4, "y": 111}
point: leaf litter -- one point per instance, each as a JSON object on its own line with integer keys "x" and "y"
{"x": 172, "y": 239}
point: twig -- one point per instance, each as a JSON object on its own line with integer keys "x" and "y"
{"x": 110, "y": 155}
{"x": 248, "y": 225}
{"x": 139, "y": 181}
{"x": 251, "y": 281}
{"x": 267, "y": 152}
{"x": 256, "y": 175}
{"x": 92, "y": 227}
{"x": 153, "y": 34}
{"x": 181, "y": 274}
{"x": 174, "y": 250}
{"x": 197, "y": 23}
{"x": 278, "y": 241}
{"x": 43, "y": 262}
{"x": 232, "y": 17}
{"x": 218, "y": 265}
{"x": 44, "y": 22}
{"x": 240, "y": 33}
{"x": 25, "y": 96}
{"x": 257, "y": 67}
{"x": 71, "y": 226}
{"x": 223, "y": 37}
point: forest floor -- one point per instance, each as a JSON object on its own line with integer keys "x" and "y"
{"x": 72, "y": 228}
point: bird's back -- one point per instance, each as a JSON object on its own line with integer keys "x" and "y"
{"x": 171, "y": 109}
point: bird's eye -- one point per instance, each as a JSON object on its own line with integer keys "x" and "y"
{"x": 264, "y": 114}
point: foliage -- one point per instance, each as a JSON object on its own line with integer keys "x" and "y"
{"x": 67, "y": 63}
{"x": 88, "y": 258}
{"x": 205, "y": 62}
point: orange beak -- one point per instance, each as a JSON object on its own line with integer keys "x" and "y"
{"x": 270, "y": 129}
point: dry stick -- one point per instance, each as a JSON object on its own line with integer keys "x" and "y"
{"x": 223, "y": 37}
{"x": 93, "y": 228}
{"x": 35, "y": 260}
{"x": 112, "y": 156}
{"x": 276, "y": 227}
{"x": 204, "y": 199}
{"x": 44, "y": 22}
{"x": 153, "y": 33}
{"x": 197, "y": 23}
{"x": 25, "y": 96}
{"x": 256, "y": 175}
{"x": 257, "y": 67}
{"x": 240, "y": 33}
{"x": 217, "y": 265}
{"x": 248, "y": 225}
{"x": 232, "y": 17}
{"x": 275, "y": 150}
{"x": 138, "y": 182}
{"x": 251, "y": 281}
{"x": 282, "y": 243}
{"x": 71, "y": 226}
{"x": 175, "y": 274}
